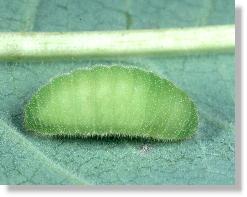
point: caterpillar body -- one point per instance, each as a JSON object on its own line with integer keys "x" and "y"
{"x": 112, "y": 101}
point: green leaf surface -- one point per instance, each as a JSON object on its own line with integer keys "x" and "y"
{"x": 207, "y": 158}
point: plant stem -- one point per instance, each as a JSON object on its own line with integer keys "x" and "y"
{"x": 180, "y": 41}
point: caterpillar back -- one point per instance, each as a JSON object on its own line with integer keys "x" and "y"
{"x": 115, "y": 101}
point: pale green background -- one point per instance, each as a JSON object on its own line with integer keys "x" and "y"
{"x": 208, "y": 158}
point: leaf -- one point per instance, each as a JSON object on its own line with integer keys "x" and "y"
{"x": 207, "y": 158}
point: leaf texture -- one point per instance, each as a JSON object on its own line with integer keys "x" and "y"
{"x": 207, "y": 158}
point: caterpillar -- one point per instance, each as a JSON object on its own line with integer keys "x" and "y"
{"x": 112, "y": 101}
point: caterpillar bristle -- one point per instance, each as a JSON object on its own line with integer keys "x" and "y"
{"x": 126, "y": 101}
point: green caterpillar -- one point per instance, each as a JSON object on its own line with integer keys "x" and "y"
{"x": 112, "y": 101}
